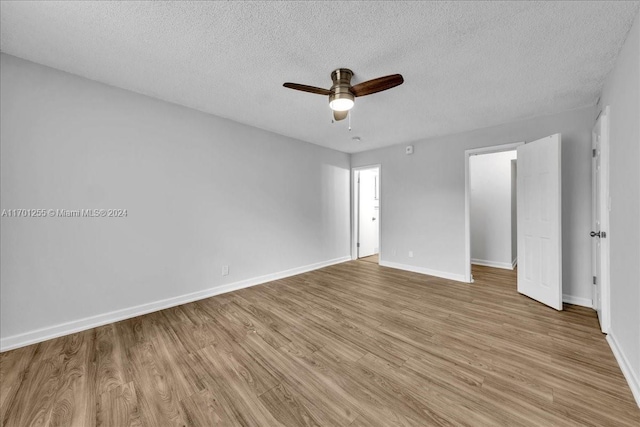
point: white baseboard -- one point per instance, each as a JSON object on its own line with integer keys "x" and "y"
{"x": 414, "y": 269}
{"x": 514, "y": 263}
{"x": 495, "y": 264}
{"x": 625, "y": 367}
{"x": 39, "y": 335}
{"x": 570, "y": 299}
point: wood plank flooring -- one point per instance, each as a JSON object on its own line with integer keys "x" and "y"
{"x": 354, "y": 344}
{"x": 373, "y": 258}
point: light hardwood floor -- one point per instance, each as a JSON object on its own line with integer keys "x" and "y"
{"x": 354, "y": 344}
{"x": 373, "y": 258}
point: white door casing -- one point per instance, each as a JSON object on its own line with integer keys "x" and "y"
{"x": 600, "y": 218}
{"x": 467, "y": 197}
{"x": 368, "y": 212}
{"x": 540, "y": 221}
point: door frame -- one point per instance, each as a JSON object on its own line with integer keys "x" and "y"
{"x": 467, "y": 198}
{"x": 605, "y": 207}
{"x": 355, "y": 210}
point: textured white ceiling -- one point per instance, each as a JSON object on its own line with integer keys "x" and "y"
{"x": 466, "y": 65}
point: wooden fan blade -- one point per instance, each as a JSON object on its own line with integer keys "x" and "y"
{"x": 305, "y": 88}
{"x": 340, "y": 115}
{"x": 377, "y": 85}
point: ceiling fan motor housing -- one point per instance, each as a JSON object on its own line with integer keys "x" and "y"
{"x": 341, "y": 88}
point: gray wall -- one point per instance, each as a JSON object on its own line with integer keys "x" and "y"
{"x": 201, "y": 192}
{"x": 422, "y": 198}
{"x": 622, "y": 93}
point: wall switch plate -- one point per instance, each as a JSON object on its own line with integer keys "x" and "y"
{"x": 410, "y": 254}
{"x": 225, "y": 270}
{"x": 409, "y": 149}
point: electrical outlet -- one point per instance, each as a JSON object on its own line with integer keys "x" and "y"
{"x": 225, "y": 270}
{"x": 394, "y": 252}
{"x": 410, "y": 254}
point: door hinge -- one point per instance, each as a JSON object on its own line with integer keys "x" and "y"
{"x": 594, "y": 280}
{"x": 358, "y": 245}
{"x": 593, "y": 152}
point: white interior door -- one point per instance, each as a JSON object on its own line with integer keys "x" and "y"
{"x": 369, "y": 207}
{"x": 539, "y": 221}
{"x": 599, "y": 219}
{"x": 595, "y": 220}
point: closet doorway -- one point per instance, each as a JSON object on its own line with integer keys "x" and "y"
{"x": 366, "y": 203}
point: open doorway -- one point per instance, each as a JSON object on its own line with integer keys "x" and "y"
{"x": 539, "y": 217}
{"x": 491, "y": 207}
{"x": 366, "y": 210}
{"x": 493, "y": 214}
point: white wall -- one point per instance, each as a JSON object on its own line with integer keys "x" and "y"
{"x": 490, "y": 210}
{"x": 622, "y": 93}
{"x": 423, "y": 197}
{"x": 201, "y": 192}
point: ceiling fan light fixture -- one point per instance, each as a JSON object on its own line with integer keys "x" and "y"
{"x": 342, "y": 101}
{"x": 342, "y": 94}
{"x": 341, "y": 104}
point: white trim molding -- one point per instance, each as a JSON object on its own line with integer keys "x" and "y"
{"x": 570, "y": 299}
{"x": 421, "y": 270}
{"x": 503, "y": 265}
{"x": 39, "y": 335}
{"x": 625, "y": 367}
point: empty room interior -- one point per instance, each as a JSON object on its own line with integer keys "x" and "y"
{"x": 252, "y": 213}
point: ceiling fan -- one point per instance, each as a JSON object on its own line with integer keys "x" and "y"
{"x": 342, "y": 95}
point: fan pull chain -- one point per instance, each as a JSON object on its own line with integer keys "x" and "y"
{"x": 349, "y": 114}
